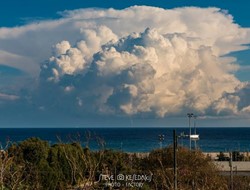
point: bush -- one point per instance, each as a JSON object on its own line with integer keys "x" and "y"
{"x": 34, "y": 164}
{"x": 195, "y": 171}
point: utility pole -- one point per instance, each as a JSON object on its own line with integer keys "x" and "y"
{"x": 231, "y": 170}
{"x": 195, "y": 117}
{"x": 175, "y": 159}
{"x": 189, "y": 118}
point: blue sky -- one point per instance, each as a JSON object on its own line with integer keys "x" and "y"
{"x": 14, "y": 12}
{"x": 62, "y": 62}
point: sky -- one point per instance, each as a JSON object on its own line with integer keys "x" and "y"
{"x": 124, "y": 63}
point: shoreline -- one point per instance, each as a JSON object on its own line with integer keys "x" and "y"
{"x": 212, "y": 155}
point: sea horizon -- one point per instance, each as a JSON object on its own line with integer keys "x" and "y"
{"x": 136, "y": 139}
{"x": 116, "y": 127}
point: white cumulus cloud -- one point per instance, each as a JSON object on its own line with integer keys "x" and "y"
{"x": 33, "y": 42}
{"x": 149, "y": 73}
{"x": 137, "y": 61}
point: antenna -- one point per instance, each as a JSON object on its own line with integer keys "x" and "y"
{"x": 161, "y": 139}
{"x": 195, "y": 137}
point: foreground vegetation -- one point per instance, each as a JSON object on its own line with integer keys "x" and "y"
{"x": 34, "y": 164}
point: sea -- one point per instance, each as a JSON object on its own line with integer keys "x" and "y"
{"x": 135, "y": 139}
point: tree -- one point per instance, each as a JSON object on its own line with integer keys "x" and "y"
{"x": 195, "y": 171}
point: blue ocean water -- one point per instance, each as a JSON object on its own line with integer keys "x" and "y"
{"x": 134, "y": 139}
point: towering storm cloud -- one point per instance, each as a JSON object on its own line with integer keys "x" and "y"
{"x": 136, "y": 61}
